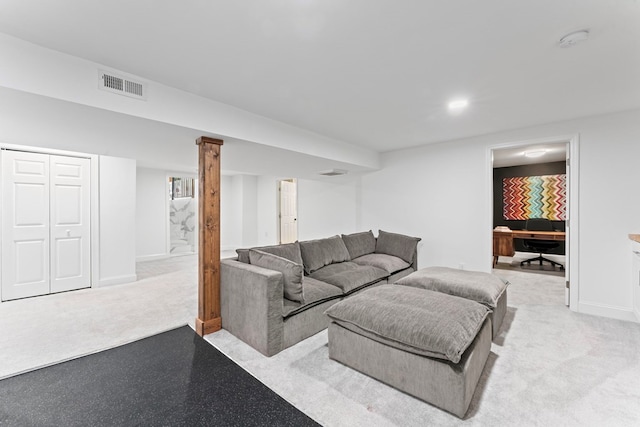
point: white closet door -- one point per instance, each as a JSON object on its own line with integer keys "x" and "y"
{"x": 70, "y": 227}
{"x": 25, "y": 224}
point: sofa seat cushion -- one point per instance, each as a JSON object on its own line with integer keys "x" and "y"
{"x": 422, "y": 322}
{"x": 315, "y": 292}
{"x": 388, "y": 263}
{"x": 332, "y": 269}
{"x": 359, "y": 244}
{"x": 349, "y": 277}
{"x": 484, "y": 288}
{"x": 318, "y": 253}
{"x": 290, "y": 251}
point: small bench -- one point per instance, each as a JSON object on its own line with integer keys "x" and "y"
{"x": 428, "y": 344}
{"x": 481, "y": 287}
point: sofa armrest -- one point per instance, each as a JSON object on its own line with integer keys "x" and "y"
{"x": 251, "y": 304}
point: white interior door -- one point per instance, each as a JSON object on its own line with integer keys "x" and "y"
{"x": 25, "y": 224}
{"x": 70, "y": 225}
{"x": 288, "y": 212}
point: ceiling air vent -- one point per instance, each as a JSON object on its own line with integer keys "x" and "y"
{"x": 333, "y": 172}
{"x": 117, "y": 84}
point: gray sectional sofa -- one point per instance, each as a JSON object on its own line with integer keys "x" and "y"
{"x": 273, "y": 297}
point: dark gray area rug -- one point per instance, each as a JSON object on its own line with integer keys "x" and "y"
{"x": 171, "y": 379}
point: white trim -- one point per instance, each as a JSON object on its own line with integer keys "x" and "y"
{"x": 574, "y": 226}
{"x": 152, "y": 257}
{"x": 167, "y": 214}
{"x": 95, "y": 198}
{"x": 117, "y": 280}
{"x": 573, "y": 203}
{"x": 603, "y": 310}
{"x": 95, "y": 220}
{"x": 279, "y": 206}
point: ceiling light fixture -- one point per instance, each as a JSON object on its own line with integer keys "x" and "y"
{"x": 574, "y": 38}
{"x": 458, "y": 105}
{"x": 333, "y": 172}
{"x": 535, "y": 153}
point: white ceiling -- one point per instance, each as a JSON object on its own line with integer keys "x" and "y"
{"x": 515, "y": 156}
{"x": 374, "y": 73}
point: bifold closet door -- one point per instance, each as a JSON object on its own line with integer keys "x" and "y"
{"x": 45, "y": 224}
{"x": 70, "y": 227}
{"x": 25, "y": 224}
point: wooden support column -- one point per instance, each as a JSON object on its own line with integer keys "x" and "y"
{"x": 208, "y": 319}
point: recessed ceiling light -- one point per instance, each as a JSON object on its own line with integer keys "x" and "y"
{"x": 535, "y": 153}
{"x": 458, "y": 105}
{"x": 574, "y": 38}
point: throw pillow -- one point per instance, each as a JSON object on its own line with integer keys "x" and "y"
{"x": 359, "y": 244}
{"x": 290, "y": 251}
{"x": 400, "y": 245}
{"x": 291, "y": 272}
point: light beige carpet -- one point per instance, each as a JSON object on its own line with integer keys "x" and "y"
{"x": 548, "y": 367}
{"x": 40, "y": 331}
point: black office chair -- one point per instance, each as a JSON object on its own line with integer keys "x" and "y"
{"x": 540, "y": 246}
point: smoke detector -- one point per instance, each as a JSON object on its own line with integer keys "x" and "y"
{"x": 574, "y": 38}
{"x": 333, "y": 172}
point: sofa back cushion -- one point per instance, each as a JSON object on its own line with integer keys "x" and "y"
{"x": 400, "y": 245}
{"x": 318, "y": 253}
{"x": 291, "y": 272}
{"x": 290, "y": 251}
{"x": 359, "y": 244}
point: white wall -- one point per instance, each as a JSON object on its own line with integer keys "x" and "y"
{"x": 326, "y": 208}
{"x": 230, "y": 233}
{"x": 249, "y": 209}
{"x": 267, "y": 209}
{"x": 442, "y": 193}
{"x": 117, "y": 220}
{"x": 151, "y": 213}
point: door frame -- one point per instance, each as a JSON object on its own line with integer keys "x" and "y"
{"x": 167, "y": 212}
{"x": 279, "y": 205}
{"x": 572, "y": 223}
{"x": 94, "y": 202}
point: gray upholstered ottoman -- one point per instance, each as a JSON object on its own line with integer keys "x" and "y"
{"x": 428, "y": 344}
{"x": 482, "y": 287}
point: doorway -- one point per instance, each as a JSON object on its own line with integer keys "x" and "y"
{"x": 183, "y": 208}
{"x": 46, "y": 226}
{"x": 288, "y": 210}
{"x": 550, "y": 162}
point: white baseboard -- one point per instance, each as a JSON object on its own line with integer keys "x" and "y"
{"x": 637, "y": 313}
{"x": 152, "y": 257}
{"x": 595, "y": 309}
{"x": 118, "y": 280}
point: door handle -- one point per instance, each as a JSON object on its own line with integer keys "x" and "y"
{"x": 68, "y": 233}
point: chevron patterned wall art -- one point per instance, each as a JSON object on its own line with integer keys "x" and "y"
{"x": 535, "y": 197}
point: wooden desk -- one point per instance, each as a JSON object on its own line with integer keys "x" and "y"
{"x": 503, "y": 240}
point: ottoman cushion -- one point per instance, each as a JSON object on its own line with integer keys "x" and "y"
{"x": 422, "y": 322}
{"x": 482, "y": 287}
